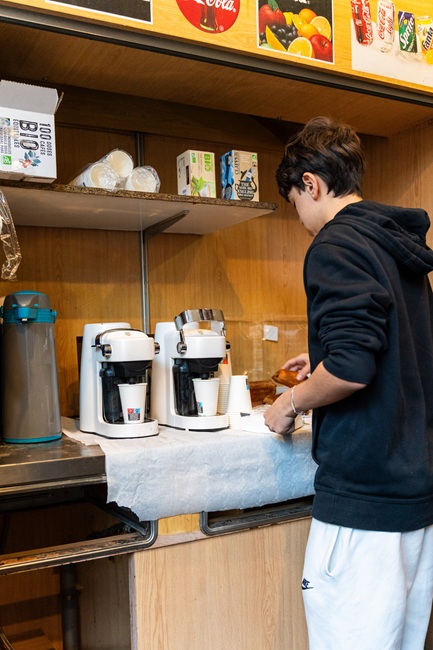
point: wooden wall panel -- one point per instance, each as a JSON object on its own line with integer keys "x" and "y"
{"x": 401, "y": 169}
{"x": 252, "y": 271}
{"x": 31, "y": 601}
{"x": 235, "y": 591}
{"x": 89, "y": 276}
{"x": 104, "y": 604}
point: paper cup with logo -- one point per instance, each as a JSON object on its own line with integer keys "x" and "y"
{"x": 206, "y": 395}
{"x": 239, "y": 395}
{"x": 133, "y": 401}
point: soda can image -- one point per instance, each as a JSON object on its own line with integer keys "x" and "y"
{"x": 407, "y": 32}
{"x": 424, "y": 28}
{"x": 385, "y": 24}
{"x": 361, "y": 16}
{"x": 427, "y": 43}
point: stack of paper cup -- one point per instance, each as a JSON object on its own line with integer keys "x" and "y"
{"x": 143, "y": 179}
{"x": 224, "y": 373}
{"x": 235, "y": 421}
{"x": 120, "y": 161}
{"x": 97, "y": 175}
{"x": 223, "y": 397}
{"x": 239, "y": 400}
{"x": 108, "y": 173}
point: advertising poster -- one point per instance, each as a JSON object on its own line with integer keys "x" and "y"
{"x": 393, "y": 40}
{"x": 387, "y": 41}
{"x": 299, "y": 29}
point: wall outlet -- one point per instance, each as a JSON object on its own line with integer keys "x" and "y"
{"x": 270, "y": 333}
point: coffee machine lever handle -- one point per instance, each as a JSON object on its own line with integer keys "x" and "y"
{"x": 181, "y": 347}
{"x": 106, "y": 350}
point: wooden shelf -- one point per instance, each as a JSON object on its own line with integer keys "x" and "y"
{"x": 66, "y": 206}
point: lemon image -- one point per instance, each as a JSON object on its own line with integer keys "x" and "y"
{"x": 301, "y": 46}
{"x": 323, "y": 26}
{"x": 429, "y": 57}
{"x": 288, "y": 15}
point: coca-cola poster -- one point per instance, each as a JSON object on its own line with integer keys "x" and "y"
{"x": 136, "y": 9}
{"x": 301, "y": 28}
{"x": 211, "y": 16}
{"x": 392, "y": 41}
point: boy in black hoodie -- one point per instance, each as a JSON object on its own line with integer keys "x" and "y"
{"x": 368, "y": 573}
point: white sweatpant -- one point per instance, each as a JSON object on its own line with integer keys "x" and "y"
{"x": 367, "y": 590}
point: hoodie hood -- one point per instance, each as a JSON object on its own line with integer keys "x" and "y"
{"x": 399, "y": 231}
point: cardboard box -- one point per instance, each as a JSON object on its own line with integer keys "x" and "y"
{"x": 239, "y": 176}
{"x": 196, "y": 173}
{"x": 27, "y": 137}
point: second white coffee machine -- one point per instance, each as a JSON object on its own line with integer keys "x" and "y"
{"x": 187, "y": 351}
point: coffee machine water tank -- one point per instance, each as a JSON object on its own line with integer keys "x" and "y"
{"x": 30, "y": 395}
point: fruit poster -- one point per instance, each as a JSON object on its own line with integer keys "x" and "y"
{"x": 387, "y": 41}
{"x": 300, "y": 29}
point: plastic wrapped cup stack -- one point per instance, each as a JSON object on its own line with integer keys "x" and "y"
{"x": 143, "y": 179}
{"x": 120, "y": 161}
{"x": 99, "y": 175}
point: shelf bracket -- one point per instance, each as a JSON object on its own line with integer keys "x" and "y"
{"x": 159, "y": 227}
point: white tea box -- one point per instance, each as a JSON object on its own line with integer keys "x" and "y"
{"x": 239, "y": 176}
{"x": 196, "y": 174}
{"x": 27, "y": 137}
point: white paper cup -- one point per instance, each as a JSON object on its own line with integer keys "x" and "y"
{"x": 120, "y": 161}
{"x": 206, "y": 395}
{"x": 133, "y": 401}
{"x": 97, "y": 175}
{"x": 239, "y": 395}
{"x": 143, "y": 179}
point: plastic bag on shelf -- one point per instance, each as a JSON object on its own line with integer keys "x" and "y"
{"x": 9, "y": 240}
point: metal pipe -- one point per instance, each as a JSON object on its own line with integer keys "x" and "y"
{"x": 69, "y": 595}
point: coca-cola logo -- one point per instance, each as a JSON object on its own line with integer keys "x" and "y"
{"x": 381, "y": 20}
{"x": 367, "y": 19}
{"x": 212, "y": 16}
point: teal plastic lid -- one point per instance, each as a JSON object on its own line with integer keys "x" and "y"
{"x": 27, "y": 307}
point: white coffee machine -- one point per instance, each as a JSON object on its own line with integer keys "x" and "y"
{"x": 113, "y": 354}
{"x": 187, "y": 351}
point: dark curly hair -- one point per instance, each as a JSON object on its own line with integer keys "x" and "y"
{"x": 329, "y": 149}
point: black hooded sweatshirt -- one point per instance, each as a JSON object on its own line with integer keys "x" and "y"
{"x": 370, "y": 315}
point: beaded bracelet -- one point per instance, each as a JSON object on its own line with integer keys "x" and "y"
{"x": 292, "y": 403}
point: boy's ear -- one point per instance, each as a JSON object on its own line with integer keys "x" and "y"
{"x": 309, "y": 182}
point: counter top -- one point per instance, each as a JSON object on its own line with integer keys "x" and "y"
{"x": 59, "y": 463}
{"x": 182, "y": 472}
{"x": 176, "y": 472}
